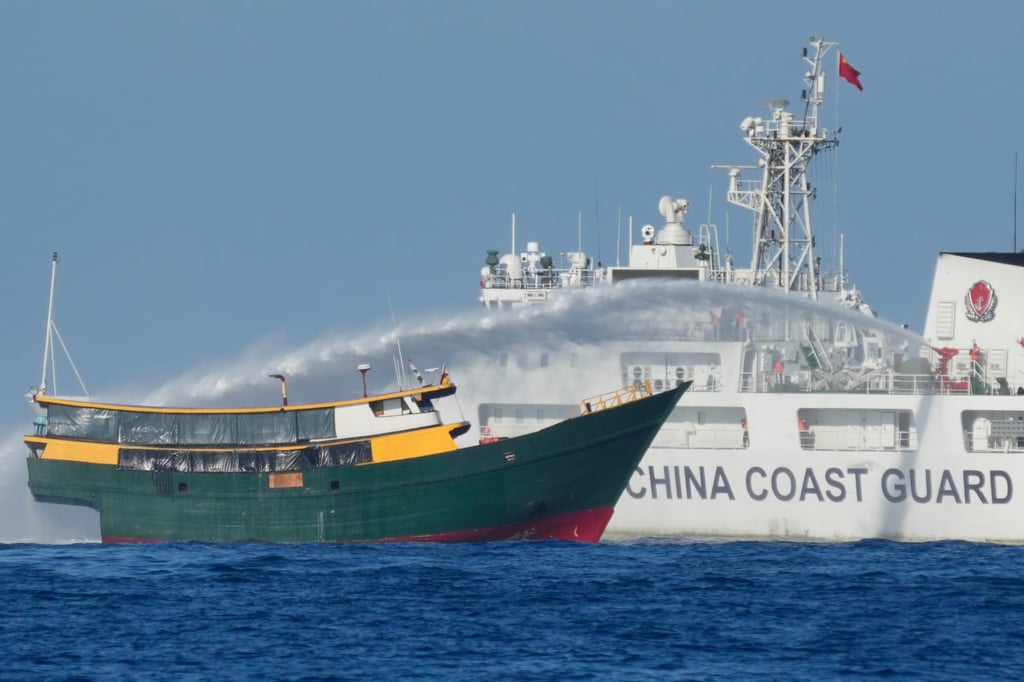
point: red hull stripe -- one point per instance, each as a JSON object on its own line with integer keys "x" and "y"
{"x": 581, "y": 526}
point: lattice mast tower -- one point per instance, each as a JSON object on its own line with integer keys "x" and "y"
{"x": 783, "y": 248}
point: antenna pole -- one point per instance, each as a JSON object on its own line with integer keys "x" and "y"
{"x": 284, "y": 388}
{"x": 1015, "y": 166}
{"x": 49, "y": 323}
{"x": 618, "y": 237}
{"x": 579, "y": 228}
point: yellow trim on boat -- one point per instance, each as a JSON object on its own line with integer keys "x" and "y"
{"x": 76, "y": 450}
{"x": 418, "y": 392}
{"x": 385, "y": 448}
{"x": 412, "y": 444}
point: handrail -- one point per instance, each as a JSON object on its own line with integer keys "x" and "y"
{"x": 614, "y": 398}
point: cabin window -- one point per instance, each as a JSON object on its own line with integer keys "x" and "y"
{"x": 993, "y": 431}
{"x": 846, "y": 430}
{"x": 519, "y": 415}
{"x": 498, "y": 414}
{"x": 389, "y": 407}
{"x": 540, "y": 415}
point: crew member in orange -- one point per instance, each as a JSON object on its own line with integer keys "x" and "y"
{"x": 805, "y": 435}
{"x": 778, "y": 371}
{"x": 746, "y": 432}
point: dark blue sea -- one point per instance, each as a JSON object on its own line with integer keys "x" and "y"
{"x": 532, "y": 611}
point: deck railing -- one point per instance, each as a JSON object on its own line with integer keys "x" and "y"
{"x": 824, "y": 439}
{"x": 613, "y": 398}
{"x": 882, "y": 383}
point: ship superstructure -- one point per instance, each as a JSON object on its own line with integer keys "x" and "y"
{"x": 808, "y": 416}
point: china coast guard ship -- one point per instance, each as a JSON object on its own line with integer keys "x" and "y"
{"x": 808, "y": 417}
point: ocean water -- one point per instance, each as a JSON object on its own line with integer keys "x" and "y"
{"x": 641, "y": 610}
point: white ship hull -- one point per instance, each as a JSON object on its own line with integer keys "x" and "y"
{"x": 870, "y": 488}
{"x": 901, "y": 466}
{"x": 807, "y": 417}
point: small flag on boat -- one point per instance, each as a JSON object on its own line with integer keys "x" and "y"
{"x": 849, "y": 73}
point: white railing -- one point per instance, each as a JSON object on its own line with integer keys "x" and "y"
{"x": 824, "y": 439}
{"x": 883, "y": 383}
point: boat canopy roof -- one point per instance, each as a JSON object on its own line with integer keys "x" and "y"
{"x": 422, "y": 392}
{"x": 112, "y": 425}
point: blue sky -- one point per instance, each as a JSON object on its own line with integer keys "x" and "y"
{"x": 220, "y": 177}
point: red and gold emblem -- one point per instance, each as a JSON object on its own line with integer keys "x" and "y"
{"x": 981, "y": 302}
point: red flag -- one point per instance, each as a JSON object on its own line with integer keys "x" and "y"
{"x": 851, "y": 74}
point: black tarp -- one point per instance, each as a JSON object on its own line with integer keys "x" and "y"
{"x": 313, "y": 457}
{"x": 82, "y": 422}
{"x": 208, "y": 428}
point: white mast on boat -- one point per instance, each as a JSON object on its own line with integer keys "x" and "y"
{"x": 48, "y": 347}
{"x": 49, "y": 325}
{"x": 783, "y": 248}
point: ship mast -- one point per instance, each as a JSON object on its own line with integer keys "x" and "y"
{"x": 49, "y": 361}
{"x": 783, "y": 245}
{"x": 48, "y": 344}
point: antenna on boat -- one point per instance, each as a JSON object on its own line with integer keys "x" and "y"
{"x": 48, "y": 347}
{"x": 618, "y": 238}
{"x": 399, "y": 362}
{"x": 363, "y": 369}
{"x": 579, "y": 231}
{"x": 284, "y": 387}
{"x": 783, "y": 238}
{"x": 416, "y": 373}
{"x": 49, "y": 324}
